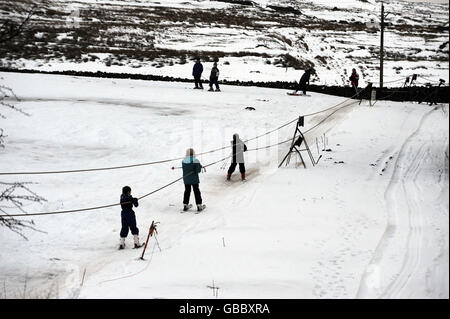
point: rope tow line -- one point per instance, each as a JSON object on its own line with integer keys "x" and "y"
{"x": 141, "y": 197}
{"x": 280, "y": 127}
{"x": 156, "y": 243}
{"x": 140, "y": 164}
{"x": 428, "y": 79}
{"x": 327, "y": 117}
{"x": 165, "y": 160}
{"x": 180, "y": 178}
{"x": 393, "y": 81}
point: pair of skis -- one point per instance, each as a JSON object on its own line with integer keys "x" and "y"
{"x": 190, "y": 206}
{"x": 296, "y": 94}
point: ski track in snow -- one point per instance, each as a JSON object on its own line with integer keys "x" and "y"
{"x": 396, "y": 271}
{"x": 287, "y": 232}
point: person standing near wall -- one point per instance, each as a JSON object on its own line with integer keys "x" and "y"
{"x": 354, "y": 79}
{"x": 197, "y": 73}
{"x": 214, "y": 78}
{"x": 304, "y": 81}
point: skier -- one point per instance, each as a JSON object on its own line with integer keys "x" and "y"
{"x": 128, "y": 217}
{"x": 214, "y": 78}
{"x": 238, "y": 157}
{"x": 197, "y": 73}
{"x": 191, "y": 167}
{"x": 354, "y": 78}
{"x": 304, "y": 80}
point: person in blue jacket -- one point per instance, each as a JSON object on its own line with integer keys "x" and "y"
{"x": 128, "y": 217}
{"x": 191, "y": 167}
{"x": 197, "y": 73}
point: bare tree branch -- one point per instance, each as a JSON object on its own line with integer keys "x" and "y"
{"x": 9, "y": 30}
{"x": 4, "y": 89}
{"x": 13, "y": 107}
{"x": 17, "y": 194}
{"x": 2, "y": 137}
{"x": 6, "y": 92}
{"x": 14, "y": 195}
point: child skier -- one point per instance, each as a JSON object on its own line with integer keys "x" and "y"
{"x": 238, "y": 157}
{"x": 197, "y": 73}
{"x": 128, "y": 217}
{"x": 214, "y": 78}
{"x": 191, "y": 167}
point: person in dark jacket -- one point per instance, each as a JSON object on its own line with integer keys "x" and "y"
{"x": 354, "y": 78}
{"x": 191, "y": 167}
{"x": 304, "y": 81}
{"x": 197, "y": 73}
{"x": 214, "y": 78}
{"x": 238, "y": 157}
{"x": 128, "y": 217}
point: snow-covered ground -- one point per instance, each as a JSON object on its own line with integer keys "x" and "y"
{"x": 274, "y": 40}
{"x": 370, "y": 220}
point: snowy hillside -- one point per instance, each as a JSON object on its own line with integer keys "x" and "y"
{"x": 260, "y": 40}
{"x": 370, "y": 220}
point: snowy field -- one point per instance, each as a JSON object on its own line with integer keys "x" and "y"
{"x": 251, "y": 43}
{"x": 369, "y": 221}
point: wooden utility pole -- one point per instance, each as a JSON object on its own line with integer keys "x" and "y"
{"x": 382, "y": 46}
{"x": 383, "y": 16}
